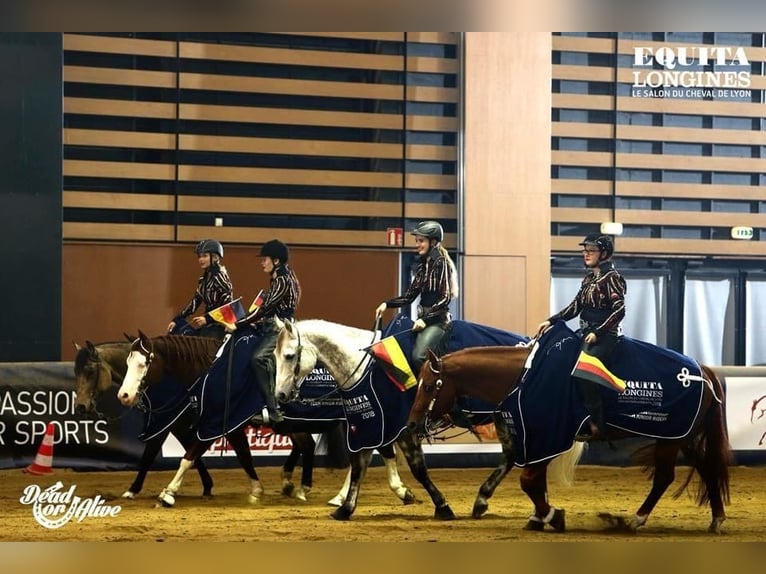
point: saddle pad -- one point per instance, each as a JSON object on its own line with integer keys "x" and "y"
{"x": 376, "y": 411}
{"x": 163, "y": 404}
{"x": 225, "y": 406}
{"x": 318, "y": 399}
{"x": 662, "y": 398}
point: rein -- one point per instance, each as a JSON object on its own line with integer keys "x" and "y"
{"x": 296, "y": 369}
{"x": 441, "y": 425}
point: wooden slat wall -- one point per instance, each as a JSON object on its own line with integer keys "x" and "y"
{"x": 179, "y": 130}
{"x": 580, "y": 205}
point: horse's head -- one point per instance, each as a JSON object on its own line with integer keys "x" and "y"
{"x": 294, "y": 360}
{"x": 143, "y": 370}
{"x": 434, "y": 398}
{"x": 92, "y": 377}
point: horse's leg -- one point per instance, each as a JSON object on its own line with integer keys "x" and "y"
{"x": 187, "y": 438}
{"x": 359, "y": 463}
{"x": 289, "y": 466}
{"x": 168, "y": 495}
{"x": 151, "y": 449}
{"x": 533, "y": 482}
{"x": 486, "y": 490}
{"x": 413, "y": 452}
{"x": 395, "y": 483}
{"x": 665, "y": 453}
{"x": 714, "y": 461}
{"x": 238, "y": 440}
{"x": 307, "y": 447}
{"x": 340, "y": 498}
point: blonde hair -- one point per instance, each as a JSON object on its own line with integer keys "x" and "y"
{"x": 454, "y": 285}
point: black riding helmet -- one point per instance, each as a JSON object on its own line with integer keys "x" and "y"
{"x": 430, "y": 229}
{"x": 603, "y": 242}
{"x": 209, "y": 246}
{"x": 276, "y": 250}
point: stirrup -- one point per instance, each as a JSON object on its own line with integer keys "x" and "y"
{"x": 261, "y": 418}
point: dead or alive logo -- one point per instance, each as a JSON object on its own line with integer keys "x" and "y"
{"x": 54, "y": 506}
{"x": 681, "y": 77}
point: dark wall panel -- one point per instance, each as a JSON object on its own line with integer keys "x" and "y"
{"x": 30, "y": 196}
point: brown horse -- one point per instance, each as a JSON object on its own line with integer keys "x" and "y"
{"x": 187, "y": 358}
{"x": 490, "y": 373}
{"x": 97, "y": 368}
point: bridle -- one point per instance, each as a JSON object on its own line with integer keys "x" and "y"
{"x": 297, "y": 367}
{"x": 438, "y": 384}
{"x": 149, "y": 354}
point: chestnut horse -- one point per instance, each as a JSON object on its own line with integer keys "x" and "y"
{"x": 491, "y": 373}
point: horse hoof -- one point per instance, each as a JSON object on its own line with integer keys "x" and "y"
{"x": 288, "y": 488}
{"x": 166, "y": 499}
{"x": 534, "y": 525}
{"x": 129, "y": 495}
{"x": 444, "y": 513}
{"x": 341, "y": 513}
{"x": 637, "y": 522}
{"x": 337, "y": 500}
{"x": 302, "y": 493}
{"x": 207, "y": 493}
{"x": 558, "y": 522}
{"x": 480, "y": 507}
{"x": 715, "y": 526}
{"x": 409, "y": 498}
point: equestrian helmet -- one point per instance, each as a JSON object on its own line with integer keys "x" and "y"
{"x": 209, "y": 246}
{"x": 276, "y": 250}
{"x": 429, "y": 228}
{"x": 603, "y": 242}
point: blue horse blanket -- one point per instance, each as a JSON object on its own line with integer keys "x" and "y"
{"x": 163, "y": 404}
{"x": 377, "y": 410}
{"x": 225, "y": 406}
{"x": 662, "y": 398}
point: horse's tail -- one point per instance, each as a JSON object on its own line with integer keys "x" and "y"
{"x": 712, "y": 452}
{"x": 561, "y": 470}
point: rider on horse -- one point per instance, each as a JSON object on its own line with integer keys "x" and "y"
{"x": 600, "y": 303}
{"x": 214, "y": 289}
{"x": 437, "y": 284}
{"x": 280, "y": 300}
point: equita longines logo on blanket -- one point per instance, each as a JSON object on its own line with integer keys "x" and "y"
{"x": 54, "y": 506}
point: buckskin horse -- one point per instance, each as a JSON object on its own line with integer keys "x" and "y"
{"x": 374, "y": 416}
{"x": 493, "y": 373}
{"x": 187, "y": 358}
{"x": 98, "y": 367}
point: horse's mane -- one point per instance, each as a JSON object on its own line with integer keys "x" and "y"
{"x": 323, "y": 326}
{"x": 198, "y": 351}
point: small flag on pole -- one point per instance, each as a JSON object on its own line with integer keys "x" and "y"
{"x": 394, "y": 362}
{"x": 229, "y": 314}
{"x": 257, "y": 302}
{"x": 592, "y": 369}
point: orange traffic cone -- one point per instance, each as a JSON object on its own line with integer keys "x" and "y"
{"x": 43, "y": 463}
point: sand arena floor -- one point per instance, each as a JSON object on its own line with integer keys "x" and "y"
{"x": 228, "y": 516}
